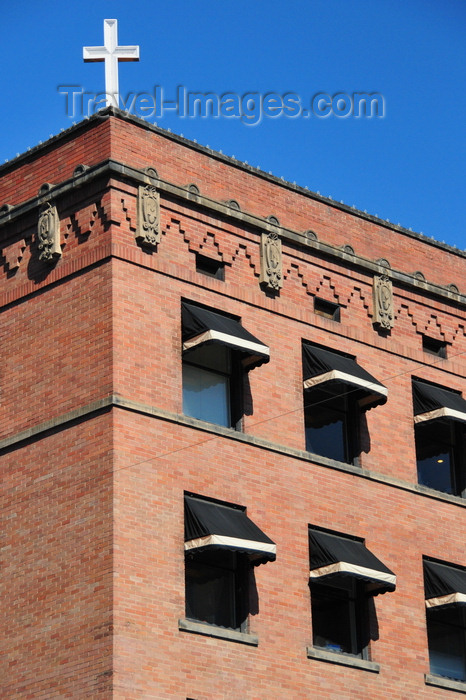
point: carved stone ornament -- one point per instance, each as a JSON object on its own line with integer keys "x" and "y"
{"x": 148, "y": 230}
{"x": 5, "y": 209}
{"x": 48, "y": 233}
{"x": 193, "y": 189}
{"x": 271, "y": 261}
{"x": 383, "y": 302}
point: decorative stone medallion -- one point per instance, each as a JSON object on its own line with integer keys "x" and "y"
{"x": 48, "y": 233}
{"x": 148, "y": 231}
{"x": 383, "y": 302}
{"x": 271, "y": 261}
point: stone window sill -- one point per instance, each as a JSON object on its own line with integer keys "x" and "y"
{"x": 446, "y": 683}
{"x": 218, "y": 632}
{"x": 334, "y": 657}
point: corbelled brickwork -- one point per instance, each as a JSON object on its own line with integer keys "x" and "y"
{"x": 96, "y": 453}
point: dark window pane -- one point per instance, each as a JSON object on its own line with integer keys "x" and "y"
{"x": 210, "y": 594}
{"x": 434, "y": 346}
{"x": 326, "y": 425}
{"x": 338, "y": 616}
{"x": 210, "y": 267}
{"x": 446, "y": 634}
{"x": 216, "y": 588}
{"x": 331, "y": 623}
{"x": 328, "y": 441}
{"x": 435, "y": 472}
{"x": 435, "y": 456}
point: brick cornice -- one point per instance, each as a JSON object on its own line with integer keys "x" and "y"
{"x": 110, "y": 112}
{"x": 119, "y": 171}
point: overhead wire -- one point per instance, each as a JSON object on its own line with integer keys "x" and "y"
{"x": 216, "y": 436}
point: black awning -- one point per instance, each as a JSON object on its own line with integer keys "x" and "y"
{"x": 336, "y": 556}
{"x": 340, "y": 374}
{"x": 444, "y": 585}
{"x": 433, "y": 403}
{"x": 210, "y": 525}
{"x": 202, "y": 326}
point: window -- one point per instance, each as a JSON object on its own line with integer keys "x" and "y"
{"x": 439, "y": 430}
{"x": 207, "y": 382}
{"x": 331, "y": 426}
{"x": 221, "y": 546}
{"x": 440, "y": 456}
{"x": 446, "y": 633}
{"x": 210, "y": 267}
{"x": 327, "y": 309}
{"x": 445, "y": 590}
{"x": 434, "y": 346}
{"x": 336, "y": 390}
{"x": 339, "y": 617}
{"x": 216, "y": 588}
{"x": 344, "y": 575}
{"x": 217, "y": 351}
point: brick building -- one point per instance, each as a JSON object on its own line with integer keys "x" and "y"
{"x": 231, "y": 418}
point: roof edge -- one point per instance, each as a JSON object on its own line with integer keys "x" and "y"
{"x": 108, "y": 112}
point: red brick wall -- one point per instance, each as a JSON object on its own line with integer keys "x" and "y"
{"x": 156, "y": 461}
{"x": 54, "y": 162}
{"x": 93, "y": 325}
{"x": 221, "y": 181}
{"x": 282, "y": 494}
{"x": 56, "y": 560}
{"x": 281, "y": 322}
{"x": 57, "y": 350}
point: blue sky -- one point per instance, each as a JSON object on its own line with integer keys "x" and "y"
{"x": 407, "y": 167}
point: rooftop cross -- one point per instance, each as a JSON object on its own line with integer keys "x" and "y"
{"x": 111, "y": 53}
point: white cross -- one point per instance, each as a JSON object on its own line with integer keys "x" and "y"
{"x": 111, "y": 53}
